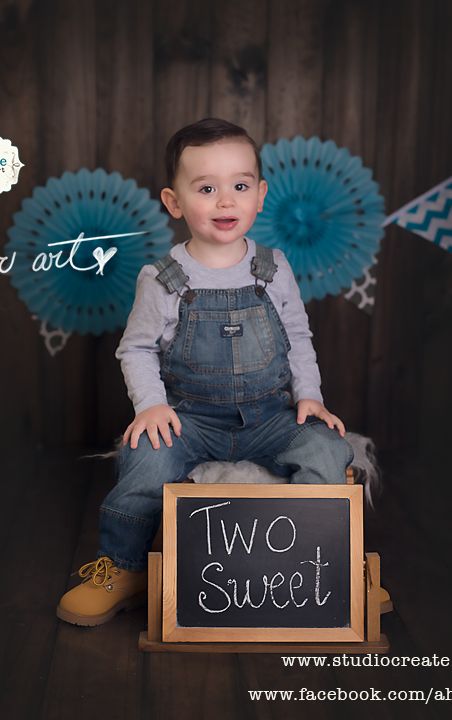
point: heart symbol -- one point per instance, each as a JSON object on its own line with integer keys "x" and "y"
{"x": 103, "y": 258}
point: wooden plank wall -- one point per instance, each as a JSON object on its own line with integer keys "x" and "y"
{"x": 104, "y": 84}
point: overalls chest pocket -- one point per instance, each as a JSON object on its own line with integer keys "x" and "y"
{"x": 236, "y": 341}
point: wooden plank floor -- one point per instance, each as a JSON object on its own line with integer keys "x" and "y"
{"x": 50, "y": 670}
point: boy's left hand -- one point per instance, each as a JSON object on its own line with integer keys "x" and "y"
{"x": 314, "y": 407}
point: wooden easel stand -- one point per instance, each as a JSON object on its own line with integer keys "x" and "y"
{"x": 151, "y": 641}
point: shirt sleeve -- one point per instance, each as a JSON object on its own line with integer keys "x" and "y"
{"x": 139, "y": 346}
{"x": 302, "y": 357}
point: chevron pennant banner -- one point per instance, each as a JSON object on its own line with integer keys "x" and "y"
{"x": 429, "y": 215}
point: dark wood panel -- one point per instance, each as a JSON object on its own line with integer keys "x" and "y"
{"x": 20, "y": 120}
{"x": 43, "y": 498}
{"x": 94, "y": 670}
{"x": 51, "y": 669}
{"x": 239, "y": 65}
{"x": 410, "y": 70}
{"x": 296, "y": 65}
{"x": 105, "y": 84}
{"x": 183, "y": 47}
{"x": 394, "y": 375}
{"x": 125, "y": 142}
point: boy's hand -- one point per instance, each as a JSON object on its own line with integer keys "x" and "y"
{"x": 314, "y": 407}
{"x": 153, "y": 420}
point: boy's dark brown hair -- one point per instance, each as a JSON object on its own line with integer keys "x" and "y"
{"x": 203, "y": 132}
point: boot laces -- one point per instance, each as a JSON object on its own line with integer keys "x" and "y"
{"x": 98, "y": 570}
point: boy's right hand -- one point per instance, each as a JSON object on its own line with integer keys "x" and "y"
{"x": 154, "y": 420}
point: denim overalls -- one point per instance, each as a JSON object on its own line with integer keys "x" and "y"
{"x": 227, "y": 375}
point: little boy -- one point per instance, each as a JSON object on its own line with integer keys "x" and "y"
{"x": 218, "y": 362}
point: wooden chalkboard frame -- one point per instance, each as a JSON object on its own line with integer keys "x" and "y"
{"x": 171, "y": 632}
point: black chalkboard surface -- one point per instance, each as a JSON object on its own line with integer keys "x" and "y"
{"x": 262, "y": 558}
{"x": 256, "y": 562}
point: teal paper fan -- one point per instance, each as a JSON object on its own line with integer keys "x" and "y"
{"x": 95, "y": 204}
{"x": 323, "y": 210}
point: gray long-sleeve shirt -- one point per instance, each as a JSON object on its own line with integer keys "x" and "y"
{"x": 152, "y": 322}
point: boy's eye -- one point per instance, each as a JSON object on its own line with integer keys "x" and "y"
{"x": 208, "y": 189}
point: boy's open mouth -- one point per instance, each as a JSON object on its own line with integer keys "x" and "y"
{"x": 225, "y": 223}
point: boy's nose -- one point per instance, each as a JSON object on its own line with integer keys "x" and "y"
{"x": 225, "y": 201}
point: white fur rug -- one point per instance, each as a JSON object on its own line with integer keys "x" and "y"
{"x": 364, "y": 464}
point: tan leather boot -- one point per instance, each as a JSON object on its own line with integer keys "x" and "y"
{"x": 105, "y": 590}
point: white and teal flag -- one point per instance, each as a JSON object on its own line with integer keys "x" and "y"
{"x": 429, "y": 215}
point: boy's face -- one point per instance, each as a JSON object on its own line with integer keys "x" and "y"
{"x": 217, "y": 190}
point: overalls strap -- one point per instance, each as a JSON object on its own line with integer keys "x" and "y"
{"x": 262, "y": 265}
{"x": 171, "y": 274}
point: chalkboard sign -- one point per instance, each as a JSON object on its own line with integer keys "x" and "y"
{"x": 263, "y": 562}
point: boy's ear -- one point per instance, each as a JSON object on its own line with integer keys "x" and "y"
{"x": 169, "y": 199}
{"x": 263, "y": 187}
